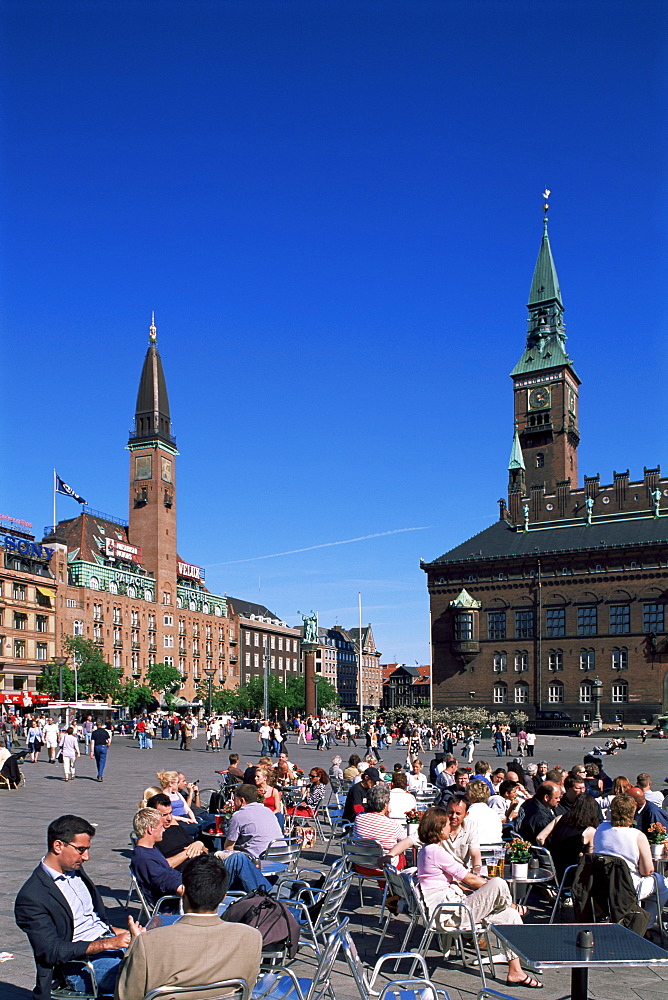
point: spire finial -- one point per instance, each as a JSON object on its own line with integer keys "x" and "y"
{"x": 152, "y": 330}
{"x": 545, "y": 195}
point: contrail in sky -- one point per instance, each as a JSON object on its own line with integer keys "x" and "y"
{"x": 323, "y": 545}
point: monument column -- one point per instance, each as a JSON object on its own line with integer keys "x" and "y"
{"x": 309, "y": 647}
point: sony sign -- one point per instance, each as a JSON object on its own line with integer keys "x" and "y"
{"x": 191, "y": 572}
{"x": 121, "y": 550}
{"x": 25, "y": 548}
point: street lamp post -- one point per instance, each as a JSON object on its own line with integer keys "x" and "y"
{"x": 210, "y": 671}
{"x": 597, "y": 685}
{"x": 60, "y": 662}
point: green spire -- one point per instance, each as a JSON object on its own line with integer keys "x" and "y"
{"x": 516, "y": 456}
{"x": 545, "y": 284}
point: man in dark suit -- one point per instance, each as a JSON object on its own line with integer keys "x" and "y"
{"x": 63, "y": 915}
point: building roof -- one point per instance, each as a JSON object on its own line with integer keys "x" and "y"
{"x": 247, "y": 609}
{"x": 420, "y": 674}
{"x": 516, "y": 456}
{"x": 545, "y": 283}
{"x": 501, "y": 540}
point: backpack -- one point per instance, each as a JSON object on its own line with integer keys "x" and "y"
{"x": 275, "y": 922}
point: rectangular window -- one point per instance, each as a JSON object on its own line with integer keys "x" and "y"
{"x": 555, "y": 619}
{"x": 169, "y": 661}
{"x": 280, "y": 642}
{"x": 585, "y": 694}
{"x": 20, "y": 593}
{"x": 273, "y": 663}
{"x": 168, "y": 641}
{"x": 620, "y": 619}
{"x": 653, "y": 618}
{"x": 587, "y": 621}
{"x": 464, "y": 626}
{"x": 587, "y": 659}
{"x": 20, "y": 621}
{"x": 166, "y": 597}
{"x": 256, "y": 638}
{"x": 521, "y": 694}
{"x": 41, "y": 623}
{"x": 248, "y": 638}
{"x": 521, "y": 663}
{"x": 500, "y": 694}
{"x": 97, "y": 611}
{"x": 71, "y": 603}
{"x": 41, "y": 650}
{"x": 555, "y": 693}
{"x": 524, "y": 624}
{"x": 500, "y": 663}
{"x": 620, "y": 659}
{"x": 256, "y": 661}
{"x": 248, "y": 659}
{"x": 555, "y": 660}
{"x": 19, "y": 649}
{"x": 151, "y": 621}
{"x": 620, "y": 693}
{"x": 496, "y": 624}
{"x": 168, "y": 620}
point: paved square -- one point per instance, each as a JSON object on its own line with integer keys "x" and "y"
{"x": 27, "y": 812}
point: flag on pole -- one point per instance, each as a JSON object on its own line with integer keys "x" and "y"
{"x": 62, "y": 487}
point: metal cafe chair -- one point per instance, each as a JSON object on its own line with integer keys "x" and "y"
{"x": 145, "y": 907}
{"x": 400, "y": 884}
{"x": 462, "y": 935}
{"x": 281, "y": 983}
{"x": 338, "y": 829}
{"x": 362, "y": 853}
{"x": 298, "y": 886}
{"x": 286, "y": 851}
{"x": 228, "y": 988}
{"x": 564, "y": 889}
{"x": 64, "y": 992}
{"x": 320, "y": 917}
{"x": 401, "y": 989}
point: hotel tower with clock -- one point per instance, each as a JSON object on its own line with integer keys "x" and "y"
{"x": 559, "y": 606}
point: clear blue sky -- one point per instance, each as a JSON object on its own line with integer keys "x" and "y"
{"x": 334, "y": 209}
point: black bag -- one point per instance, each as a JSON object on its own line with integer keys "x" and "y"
{"x": 217, "y": 802}
{"x": 278, "y": 927}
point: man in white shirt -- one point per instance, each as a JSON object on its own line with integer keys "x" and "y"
{"x": 461, "y": 843}
{"x": 417, "y": 780}
{"x": 645, "y": 782}
{"x": 264, "y": 737}
{"x": 51, "y": 739}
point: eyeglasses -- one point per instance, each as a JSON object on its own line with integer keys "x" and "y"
{"x": 80, "y": 850}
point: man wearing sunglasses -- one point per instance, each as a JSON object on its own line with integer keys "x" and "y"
{"x": 63, "y": 915}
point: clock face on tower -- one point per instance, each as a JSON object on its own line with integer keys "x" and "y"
{"x": 539, "y": 398}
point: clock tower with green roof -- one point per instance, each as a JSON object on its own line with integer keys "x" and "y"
{"x": 546, "y": 393}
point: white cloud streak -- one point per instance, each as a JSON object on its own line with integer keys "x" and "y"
{"x": 323, "y": 545}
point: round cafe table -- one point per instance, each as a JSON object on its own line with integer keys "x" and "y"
{"x": 535, "y": 876}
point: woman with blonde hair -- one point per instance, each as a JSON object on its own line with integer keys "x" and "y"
{"x": 147, "y": 794}
{"x": 169, "y": 784}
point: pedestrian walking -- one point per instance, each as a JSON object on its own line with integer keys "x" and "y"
{"x": 100, "y": 742}
{"x": 69, "y": 751}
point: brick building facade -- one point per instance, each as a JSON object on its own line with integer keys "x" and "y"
{"x": 566, "y": 593}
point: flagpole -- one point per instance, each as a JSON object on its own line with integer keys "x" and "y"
{"x": 360, "y": 692}
{"x": 54, "y": 499}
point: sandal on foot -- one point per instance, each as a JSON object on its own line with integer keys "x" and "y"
{"x": 529, "y": 982}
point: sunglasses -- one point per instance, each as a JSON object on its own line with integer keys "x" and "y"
{"x": 80, "y": 850}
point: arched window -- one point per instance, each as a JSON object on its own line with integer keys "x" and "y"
{"x": 179, "y": 602}
{"x": 78, "y": 628}
{"x": 555, "y": 660}
{"x": 132, "y": 592}
{"x": 148, "y": 595}
{"x": 586, "y": 693}
{"x": 500, "y": 663}
{"x": 540, "y": 460}
{"x": 587, "y": 659}
{"x": 94, "y": 583}
{"x": 555, "y": 692}
{"x": 521, "y": 693}
{"x": 620, "y": 693}
{"x": 205, "y": 608}
{"x": 620, "y": 659}
{"x": 500, "y": 693}
{"x": 113, "y": 587}
{"x": 521, "y": 661}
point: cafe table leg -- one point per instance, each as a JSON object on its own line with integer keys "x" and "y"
{"x": 579, "y": 984}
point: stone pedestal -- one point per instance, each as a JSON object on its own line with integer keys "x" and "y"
{"x": 308, "y": 654}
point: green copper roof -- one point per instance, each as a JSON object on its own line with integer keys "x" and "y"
{"x": 545, "y": 353}
{"x": 516, "y": 456}
{"x": 464, "y": 600}
{"x": 545, "y": 284}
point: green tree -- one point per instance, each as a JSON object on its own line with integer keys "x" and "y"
{"x": 95, "y": 677}
{"x": 49, "y": 682}
{"x": 136, "y": 697}
{"x": 328, "y": 696}
{"x": 165, "y": 678}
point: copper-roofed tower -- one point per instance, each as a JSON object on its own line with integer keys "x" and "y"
{"x": 153, "y": 476}
{"x": 546, "y": 386}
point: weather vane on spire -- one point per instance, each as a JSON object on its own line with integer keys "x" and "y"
{"x": 545, "y": 195}
{"x": 152, "y": 330}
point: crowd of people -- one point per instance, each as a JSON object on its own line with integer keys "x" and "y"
{"x": 461, "y": 811}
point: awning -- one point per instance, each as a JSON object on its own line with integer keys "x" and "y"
{"x": 45, "y": 592}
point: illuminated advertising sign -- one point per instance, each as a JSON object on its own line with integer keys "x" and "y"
{"x": 25, "y": 548}
{"x": 121, "y": 550}
{"x": 16, "y": 520}
{"x": 191, "y": 572}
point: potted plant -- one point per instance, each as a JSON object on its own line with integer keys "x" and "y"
{"x": 413, "y": 818}
{"x": 656, "y": 834}
{"x": 518, "y": 853}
